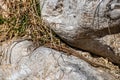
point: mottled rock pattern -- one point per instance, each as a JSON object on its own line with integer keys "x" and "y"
{"x": 43, "y": 63}
{"x": 83, "y": 23}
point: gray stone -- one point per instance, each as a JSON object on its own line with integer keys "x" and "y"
{"x": 83, "y": 23}
{"x": 44, "y": 63}
{"x": 115, "y": 14}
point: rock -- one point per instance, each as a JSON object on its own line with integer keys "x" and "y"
{"x": 27, "y": 63}
{"x": 115, "y": 14}
{"x": 84, "y": 23}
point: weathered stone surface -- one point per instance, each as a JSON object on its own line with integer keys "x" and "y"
{"x": 25, "y": 63}
{"x": 83, "y": 23}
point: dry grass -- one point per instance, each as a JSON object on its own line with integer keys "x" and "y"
{"x": 24, "y": 21}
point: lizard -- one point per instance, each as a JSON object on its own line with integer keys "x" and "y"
{"x": 70, "y": 51}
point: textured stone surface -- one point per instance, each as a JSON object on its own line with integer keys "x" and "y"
{"x": 84, "y": 23}
{"x": 45, "y": 64}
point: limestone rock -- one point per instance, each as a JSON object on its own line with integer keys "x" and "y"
{"x": 27, "y": 63}
{"x": 84, "y": 23}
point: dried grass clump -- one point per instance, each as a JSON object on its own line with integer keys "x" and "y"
{"x": 24, "y": 21}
